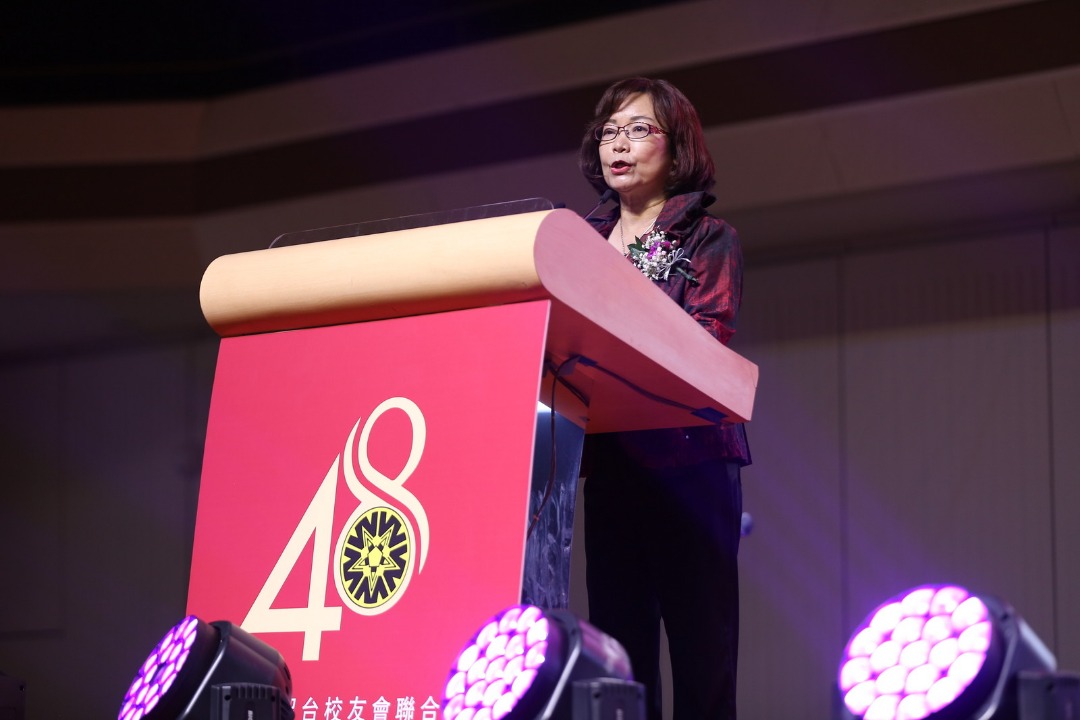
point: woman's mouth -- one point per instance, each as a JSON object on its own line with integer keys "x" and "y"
{"x": 620, "y": 167}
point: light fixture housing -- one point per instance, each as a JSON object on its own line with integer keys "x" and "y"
{"x": 177, "y": 680}
{"x": 938, "y": 652}
{"x": 528, "y": 663}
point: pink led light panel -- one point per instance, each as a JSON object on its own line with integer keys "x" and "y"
{"x": 915, "y": 654}
{"x": 159, "y": 671}
{"x": 497, "y": 667}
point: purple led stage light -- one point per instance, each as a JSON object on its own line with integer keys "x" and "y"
{"x": 174, "y": 681}
{"x": 497, "y": 666}
{"x": 519, "y": 664}
{"x": 937, "y": 652}
{"x": 160, "y": 670}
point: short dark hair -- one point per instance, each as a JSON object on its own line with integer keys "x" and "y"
{"x": 692, "y": 167}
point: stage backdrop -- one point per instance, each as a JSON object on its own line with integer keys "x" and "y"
{"x": 364, "y": 498}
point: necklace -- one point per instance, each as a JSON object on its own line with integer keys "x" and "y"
{"x": 622, "y": 239}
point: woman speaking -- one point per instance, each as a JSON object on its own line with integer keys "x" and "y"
{"x": 663, "y": 508}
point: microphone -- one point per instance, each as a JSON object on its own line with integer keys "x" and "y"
{"x": 607, "y": 195}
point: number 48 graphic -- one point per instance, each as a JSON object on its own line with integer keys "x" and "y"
{"x": 374, "y": 549}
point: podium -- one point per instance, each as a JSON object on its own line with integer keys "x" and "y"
{"x": 368, "y": 472}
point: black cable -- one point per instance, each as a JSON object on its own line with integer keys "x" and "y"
{"x": 568, "y": 365}
{"x": 706, "y": 413}
{"x": 572, "y": 362}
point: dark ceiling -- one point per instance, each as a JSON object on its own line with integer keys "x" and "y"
{"x": 59, "y": 51}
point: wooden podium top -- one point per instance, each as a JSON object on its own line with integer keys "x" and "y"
{"x": 553, "y": 255}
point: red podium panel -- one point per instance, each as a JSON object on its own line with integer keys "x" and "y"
{"x": 364, "y": 497}
{"x": 365, "y": 490}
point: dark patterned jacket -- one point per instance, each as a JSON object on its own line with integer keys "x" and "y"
{"x": 716, "y": 263}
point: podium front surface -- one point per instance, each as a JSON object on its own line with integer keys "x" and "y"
{"x": 366, "y": 482}
{"x": 359, "y": 507}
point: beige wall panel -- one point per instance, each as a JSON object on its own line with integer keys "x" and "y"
{"x": 974, "y": 129}
{"x": 1065, "y": 421}
{"x": 98, "y": 255}
{"x": 105, "y": 133}
{"x": 874, "y": 171}
{"x": 855, "y": 15}
{"x": 774, "y": 161}
{"x": 946, "y": 423}
{"x": 887, "y": 217}
{"x": 790, "y": 573}
{"x": 1067, "y": 85}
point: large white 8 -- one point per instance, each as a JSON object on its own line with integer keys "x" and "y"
{"x": 318, "y": 519}
{"x": 374, "y": 553}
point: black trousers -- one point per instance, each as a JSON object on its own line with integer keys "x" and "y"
{"x": 663, "y": 543}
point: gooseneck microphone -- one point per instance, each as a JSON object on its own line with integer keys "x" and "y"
{"x": 607, "y": 195}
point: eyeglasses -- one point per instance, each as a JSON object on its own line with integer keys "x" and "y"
{"x": 634, "y": 131}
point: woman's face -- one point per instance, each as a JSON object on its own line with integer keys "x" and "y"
{"x": 636, "y": 169}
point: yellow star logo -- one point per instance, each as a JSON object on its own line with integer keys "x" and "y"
{"x": 374, "y": 558}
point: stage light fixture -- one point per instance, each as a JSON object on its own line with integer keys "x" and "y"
{"x": 212, "y": 671}
{"x": 938, "y": 652}
{"x": 532, "y": 664}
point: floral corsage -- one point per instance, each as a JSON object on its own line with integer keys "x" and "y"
{"x": 657, "y": 257}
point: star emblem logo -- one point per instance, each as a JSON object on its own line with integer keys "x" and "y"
{"x": 375, "y": 558}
